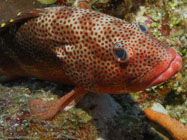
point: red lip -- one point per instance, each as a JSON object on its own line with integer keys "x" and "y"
{"x": 173, "y": 68}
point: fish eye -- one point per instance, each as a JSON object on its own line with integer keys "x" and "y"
{"x": 142, "y": 28}
{"x": 120, "y": 53}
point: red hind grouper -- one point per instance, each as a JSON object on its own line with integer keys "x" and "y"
{"x": 93, "y": 51}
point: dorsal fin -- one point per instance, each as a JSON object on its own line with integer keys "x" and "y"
{"x": 22, "y": 17}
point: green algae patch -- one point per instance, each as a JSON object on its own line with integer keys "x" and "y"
{"x": 47, "y": 1}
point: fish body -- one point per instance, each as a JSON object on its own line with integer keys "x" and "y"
{"x": 85, "y": 48}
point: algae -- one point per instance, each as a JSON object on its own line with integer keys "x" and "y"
{"x": 17, "y": 123}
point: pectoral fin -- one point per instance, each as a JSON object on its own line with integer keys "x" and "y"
{"x": 49, "y": 110}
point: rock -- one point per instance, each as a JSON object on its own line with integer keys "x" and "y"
{"x": 159, "y": 108}
{"x": 103, "y": 108}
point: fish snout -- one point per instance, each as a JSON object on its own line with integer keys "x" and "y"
{"x": 165, "y": 72}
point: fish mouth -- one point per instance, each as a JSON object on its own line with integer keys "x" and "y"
{"x": 171, "y": 70}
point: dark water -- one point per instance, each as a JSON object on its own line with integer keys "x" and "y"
{"x": 10, "y": 8}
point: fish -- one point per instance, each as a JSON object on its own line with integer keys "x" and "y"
{"x": 93, "y": 51}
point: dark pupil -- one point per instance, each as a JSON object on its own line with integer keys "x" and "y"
{"x": 120, "y": 53}
{"x": 142, "y": 28}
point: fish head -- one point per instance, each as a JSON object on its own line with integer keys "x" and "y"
{"x": 105, "y": 54}
{"x": 135, "y": 60}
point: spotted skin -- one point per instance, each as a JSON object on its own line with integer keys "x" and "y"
{"x": 76, "y": 46}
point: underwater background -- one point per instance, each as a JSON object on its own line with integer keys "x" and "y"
{"x": 101, "y": 117}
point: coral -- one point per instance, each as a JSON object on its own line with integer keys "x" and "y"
{"x": 74, "y": 124}
{"x": 175, "y": 128}
{"x": 165, "y": 20}
{"x": 17, "y": 123}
